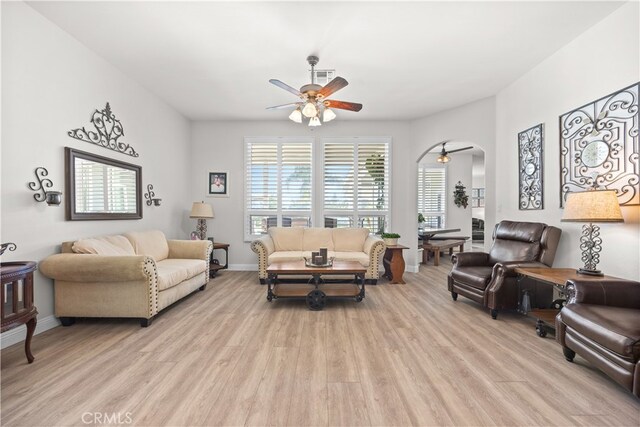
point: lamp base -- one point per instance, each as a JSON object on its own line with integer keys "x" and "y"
{"x": 589, "y": 272}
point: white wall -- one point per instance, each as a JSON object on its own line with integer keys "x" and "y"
{"x": 50, "y": 84}
{"x": 219, "y": 146}
{"x": 600, "y": 61}
{"x": 473, "y": 123}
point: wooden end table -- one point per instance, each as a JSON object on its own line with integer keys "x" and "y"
{"x": 17, "y": 299}
{"x": 393, "y": 262}
{"x": 316, "y": 291}
{"x": 556, "y": 277}
{"x": 214, "y": 264}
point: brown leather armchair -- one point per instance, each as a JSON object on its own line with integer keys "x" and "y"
{"x": 489, "y": 278}
{"x": 601, "y": 322}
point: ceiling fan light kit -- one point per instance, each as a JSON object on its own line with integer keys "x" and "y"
{"x": 314, "y": 104}
{"x": 444, "y": 154}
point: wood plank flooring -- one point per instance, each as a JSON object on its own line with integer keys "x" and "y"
{"x": 406, "y": 355}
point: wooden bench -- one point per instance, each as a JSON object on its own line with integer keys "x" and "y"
{"x": 437, "y": 246}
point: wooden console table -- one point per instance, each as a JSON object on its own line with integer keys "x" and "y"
{"x": 214, "y": 264}
{"x": 17, "y": 299}
{"x": 394, "y": 264}
{"x": 556, "y": 277}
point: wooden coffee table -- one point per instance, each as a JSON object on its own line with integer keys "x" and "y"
{"x": 316, "y": 290}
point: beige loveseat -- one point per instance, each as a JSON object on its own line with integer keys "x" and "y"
{"x": 294, "y": 243}
{"x": 137, "y": 275}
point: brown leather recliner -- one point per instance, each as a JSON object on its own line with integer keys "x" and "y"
{"x": 489, "y": 278}
{"x": 601, "y": 322}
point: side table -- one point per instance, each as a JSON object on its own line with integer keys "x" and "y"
{"x": 214, "y": 264}
{"x": 17, "y": 299}
{"x": 393, "y": 262}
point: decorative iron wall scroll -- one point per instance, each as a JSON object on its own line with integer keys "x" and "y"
{"x": 530, "y": 143}
{"x": 108, "y": 131}
{"x": 599, "y": 147}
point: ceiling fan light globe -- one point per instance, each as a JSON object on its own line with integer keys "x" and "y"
{"x": 315, "y": 121}
{"x": 443, "y": 159}
{"x": 309, "y": 110}
{"x": 296, "y": 115}
{"x": 328, "y": 115}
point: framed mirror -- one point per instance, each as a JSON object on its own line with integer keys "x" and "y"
{"x": 100, "y": 188}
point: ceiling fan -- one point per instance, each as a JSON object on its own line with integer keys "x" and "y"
{"x": 444, "y": 154}
{"x": 313, "y": 99}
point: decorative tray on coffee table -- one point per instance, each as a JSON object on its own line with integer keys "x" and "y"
{"x": 309, "y": 263}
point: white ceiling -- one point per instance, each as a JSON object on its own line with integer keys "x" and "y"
{"x": 213, "y": 60}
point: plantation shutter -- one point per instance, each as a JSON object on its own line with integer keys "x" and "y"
{"x": 432, "y": 195}
{"x": 356, "y": 182}
{"x": 278, "y": 184}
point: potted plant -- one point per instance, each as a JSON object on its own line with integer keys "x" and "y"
{"x": 421, "y": 221}
{"x": 390, "y": 239}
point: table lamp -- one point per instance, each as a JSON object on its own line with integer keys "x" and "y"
{"x": 592, "y": 206}
{"x": 202, "y": 211}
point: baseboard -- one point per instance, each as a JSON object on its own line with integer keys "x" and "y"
{"x": 18, "y": 334}
{"x": 243, "y": 267}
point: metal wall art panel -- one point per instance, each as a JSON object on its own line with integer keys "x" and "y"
{"x": 108, "y": 130}
{"x": 530, "y": 145}
{"x": 599, "y": 147}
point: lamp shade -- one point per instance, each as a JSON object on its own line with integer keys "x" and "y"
{"x": 592, "y": 206}
{"x": 201, "y": 210}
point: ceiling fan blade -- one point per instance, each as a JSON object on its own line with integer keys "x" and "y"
{"x": 279, "y": 107}
{"x": 333, "y": 86}
{"x": 343, "y": 105}
{"x": 286, "y": 87}
{"x": 459, "y": 149}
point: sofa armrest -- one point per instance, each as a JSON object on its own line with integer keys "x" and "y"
{"x": 190, "y": 249}
{"x": 510, "y": 266}
{"x": 467, "y": 259}
{"x": 373, "y": 244}
{"x": 97, "y": 268}
{"x": 264, "y": 247}
{"x": 609, "y": 292}
{"x": 263, "y": 244}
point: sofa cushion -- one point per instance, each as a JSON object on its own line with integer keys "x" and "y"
{"x": 477, "y": 277}
{"x": 287, "y": 238}
{"x": 315, "y": 238}
{"x": 361, "y": 257}
{"x": 349, "y": 239}
{"x": 152, "y": 243}
{"x": 615, "y": 328}
{"x": 172, "y": 272}
{"x": 282, "y": 256}
{"x": 104, "y": 245}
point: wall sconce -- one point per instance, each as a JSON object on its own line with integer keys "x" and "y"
{"x": 53, "y": 198}
{"x": 149, "y": 195}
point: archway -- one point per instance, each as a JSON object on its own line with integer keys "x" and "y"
{"x": 436, "y": 183}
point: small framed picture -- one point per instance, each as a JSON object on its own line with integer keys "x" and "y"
{"x": 218, "y": 184}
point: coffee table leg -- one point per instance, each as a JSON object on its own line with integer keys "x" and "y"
{"x": 316, "y": 280}
{"x": 360, "y": 296}
{"x": 271, "y": 280}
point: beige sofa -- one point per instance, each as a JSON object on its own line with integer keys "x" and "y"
{"x": 293, "y": 243}
{"x": 137, "y": 275}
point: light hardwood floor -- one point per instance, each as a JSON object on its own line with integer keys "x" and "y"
{"x": 406, "y": 355}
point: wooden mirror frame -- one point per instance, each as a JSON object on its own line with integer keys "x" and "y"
{"x": 70, "y": 155}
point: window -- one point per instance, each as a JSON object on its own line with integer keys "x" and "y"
{"x": 356, "y": 183}
{"x": 431, "y": 195}
{"x": 278, "y": 183}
